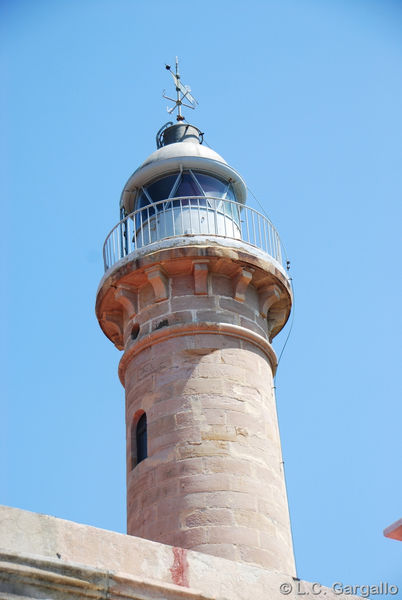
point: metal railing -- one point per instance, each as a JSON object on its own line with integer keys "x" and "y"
{"x": 191, "y": 215}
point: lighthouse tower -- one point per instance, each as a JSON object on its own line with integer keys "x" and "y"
{"x": 194, "y": 290}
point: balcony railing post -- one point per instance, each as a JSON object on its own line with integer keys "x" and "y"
{"x": 158, "y": 237}
{"x": 190, "y": 211}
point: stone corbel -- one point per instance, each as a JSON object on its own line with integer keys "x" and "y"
{"x": 200, "y": 270}
{"x": 240, "y": 284}
{"x": 128, "y": 298}
{"x": 276, "y": 320}
{"x": 157, "y": 278}
{"x": 112, "y": 323}
{"x": 267, "y": 297}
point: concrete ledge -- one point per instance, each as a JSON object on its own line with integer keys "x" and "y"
{"x": 44, "y": 557}
{"x": 193, "y": 329}
{"x": 37, "y": 578}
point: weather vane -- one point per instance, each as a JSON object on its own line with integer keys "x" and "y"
{"x": 183, "y": 93}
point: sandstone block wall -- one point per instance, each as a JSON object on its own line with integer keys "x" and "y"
{"x": 213, "y": 480}
{"x": 195, "y": 325}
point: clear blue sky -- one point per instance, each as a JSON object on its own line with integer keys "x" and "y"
{"x": 304, "y": 98}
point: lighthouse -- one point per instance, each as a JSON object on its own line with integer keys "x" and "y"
{"x": 194, "y": 290}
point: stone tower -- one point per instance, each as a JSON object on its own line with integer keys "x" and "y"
{"x": 194, "y": 290}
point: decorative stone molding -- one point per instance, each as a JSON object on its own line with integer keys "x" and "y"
{"x": 157, "y": 278}
{"x": 267, "y": 297}
{"x": 204, "y": 272}
{"x": 27, "y": 577}
{"x": 276, "y": 320}
{"x": 194, "y": 329}
{"x": 128, "y": 298}
{"x": 200, "y": 269}
{"x": 240, "y": 284}
{"x": 112, "y": 323}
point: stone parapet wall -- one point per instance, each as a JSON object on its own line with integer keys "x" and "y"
{"x": 43, "y": 557}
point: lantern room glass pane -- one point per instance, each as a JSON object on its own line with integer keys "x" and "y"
{"x": 196, "y": 189}
{"x": 142, "y": 201}
{"x": 160, "y": 190}
{"x": 218, "y": 188}
{"x": 230, "y": 194}
{"x": 143, "y": 215}
{"x": 212, "y": 186}
{"x": 188, "y": 186}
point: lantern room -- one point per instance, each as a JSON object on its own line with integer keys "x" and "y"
{"x": 183, "y": 188}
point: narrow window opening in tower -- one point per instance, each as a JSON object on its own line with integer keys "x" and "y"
{"x": 140, "y": 442}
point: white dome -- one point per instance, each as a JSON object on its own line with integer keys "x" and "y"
{"x": 180, "y": 149}
{"x": 174, "y": 158}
